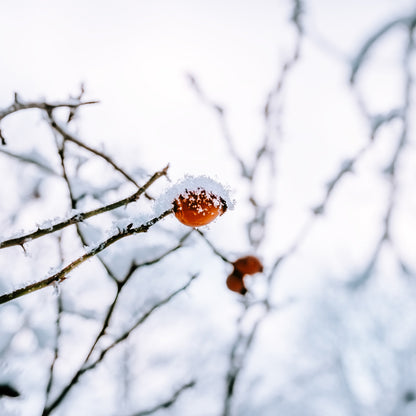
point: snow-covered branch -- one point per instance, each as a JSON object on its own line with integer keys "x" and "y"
{"x": 63, "y": 273}
{"x": 81, "y": 216}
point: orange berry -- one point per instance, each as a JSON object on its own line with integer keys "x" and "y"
{"x": 198, "y": 208}
{"x": 236, "y": 284}
{"x": 248, "y": 265}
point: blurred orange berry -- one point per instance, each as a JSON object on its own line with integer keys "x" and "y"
{"x": 248, "y": 265}
{"x": 198, "y": 208}
{"x": 236, "y": 284}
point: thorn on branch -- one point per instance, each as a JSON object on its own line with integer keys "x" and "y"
{"x": 8, "y": 391}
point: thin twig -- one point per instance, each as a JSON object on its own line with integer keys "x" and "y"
{"x": 29, "y": 159}
{"x": 56, "y": 347}
{"x": 357, "y": 62}
{"x": 238, "y": 354}
{"x": 74, "y": 202}
{"x": 116, "y": 342}
{"x": 19, "y": 105}
{"x": 220, "y": 113}
{"x": 71, "y": 138}
{"x": 122, "y": 283}
{"x": 346, "y": 167}
{"x": 168, "y": 403}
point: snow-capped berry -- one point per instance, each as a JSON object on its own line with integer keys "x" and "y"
{"x": 236, "y": 284}
{"x": 198, "y": 207}
{"x": 248, "y": 265}
{"x": 193, "y": 183}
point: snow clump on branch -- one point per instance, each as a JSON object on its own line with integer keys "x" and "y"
{"x": 196, "y": 200}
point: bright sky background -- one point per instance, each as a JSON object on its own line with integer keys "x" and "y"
{"x": 133, "y": 56}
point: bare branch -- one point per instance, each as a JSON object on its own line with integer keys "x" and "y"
{"x": 362, "y": 54}
{"x": 56, "y": 347}
{"x": 257, "y": 225}
{"x": 213, "y": 248}
{"x": 19, "y": 105}
{"x": 116, "y": 342}
{"x": 71, "y": 138}
{"x": 29, "y": 159}
{"x": 391, "y": 169}
{"x": 346, "y": 167}
{"x": 2, "y": 138}
{"x": 220, "y": 113}
{"x": 122, "y": 283}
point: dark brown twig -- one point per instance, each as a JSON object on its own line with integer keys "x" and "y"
{"x": 63, "y": 273}
{"x": 19, "y": 105}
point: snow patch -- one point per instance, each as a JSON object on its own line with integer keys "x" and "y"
{"x": 192, "y": 183}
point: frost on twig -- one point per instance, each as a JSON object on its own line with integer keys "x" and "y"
{"x": 357, "y": 62}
